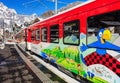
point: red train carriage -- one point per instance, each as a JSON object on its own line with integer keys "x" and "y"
{"x": 84, "y": 40}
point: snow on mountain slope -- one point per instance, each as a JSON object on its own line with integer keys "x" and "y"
{"x": 10, "y": 15}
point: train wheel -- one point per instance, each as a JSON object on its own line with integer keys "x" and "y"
{"x": 31, "y": 52}
{"x": 46, "y": 60}
{"x": 66, "y": 71}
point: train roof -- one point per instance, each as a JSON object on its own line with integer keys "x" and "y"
{"x": 86, "y": 6}
{"x": 82, "y": 4}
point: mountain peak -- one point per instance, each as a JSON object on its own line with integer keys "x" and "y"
{"x": 9, "y": 16}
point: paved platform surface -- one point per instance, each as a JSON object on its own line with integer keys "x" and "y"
{"x": 13, "y": 69}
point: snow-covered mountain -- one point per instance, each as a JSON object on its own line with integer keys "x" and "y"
{"x": 8, "y": 16}
{"x": 21, "y": 19}
{"x": 6, "y": 12}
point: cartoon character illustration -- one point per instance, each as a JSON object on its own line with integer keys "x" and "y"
{"x": 100, "y": 56}
{"x": 101, "y": 44}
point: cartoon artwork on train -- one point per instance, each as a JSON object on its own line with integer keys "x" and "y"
{"x": 93, "y": 52}
{"x": 84, "y": 40}
{"x": 92, "y": 61}
{"x": 101, "y": 60}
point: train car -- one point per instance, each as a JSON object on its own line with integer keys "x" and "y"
{"x": 22, "y": 37}
{"x": 84, "y": 40}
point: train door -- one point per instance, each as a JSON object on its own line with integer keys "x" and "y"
{"x": 26, "y": 38}
{"x": 69, "y": 48}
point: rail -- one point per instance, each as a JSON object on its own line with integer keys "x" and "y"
{"x": 37, "y": 71}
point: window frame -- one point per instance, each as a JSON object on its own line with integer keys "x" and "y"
{"x": 37, "y": 34}
{"x": 56, "y": 25}
{"x": 77, "y": 20}
{"x": 32, "y": 35}
{"x": 43, "y": 35}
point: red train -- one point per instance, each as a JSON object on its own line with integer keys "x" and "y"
{"x": 84, "y": 40}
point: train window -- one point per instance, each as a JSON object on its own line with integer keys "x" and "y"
{"x": 32, "y": 35}
{"x": 44, "y": 34}
{"x": 37, "y": 34}
{"x": 54, "y": 34}
{"x": 71, "y": 32}
{"x": 104, "y": 28}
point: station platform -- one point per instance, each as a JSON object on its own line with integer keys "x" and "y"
{"x": 13, "y": 69}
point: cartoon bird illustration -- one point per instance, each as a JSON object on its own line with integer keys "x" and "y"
{"x": 102, "y": 44}
{"x": 100, "y": 56}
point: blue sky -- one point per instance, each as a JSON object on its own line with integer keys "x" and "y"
{"x": 29, "y": 7}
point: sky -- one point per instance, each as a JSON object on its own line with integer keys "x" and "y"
{"x": 29, "y": 7}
